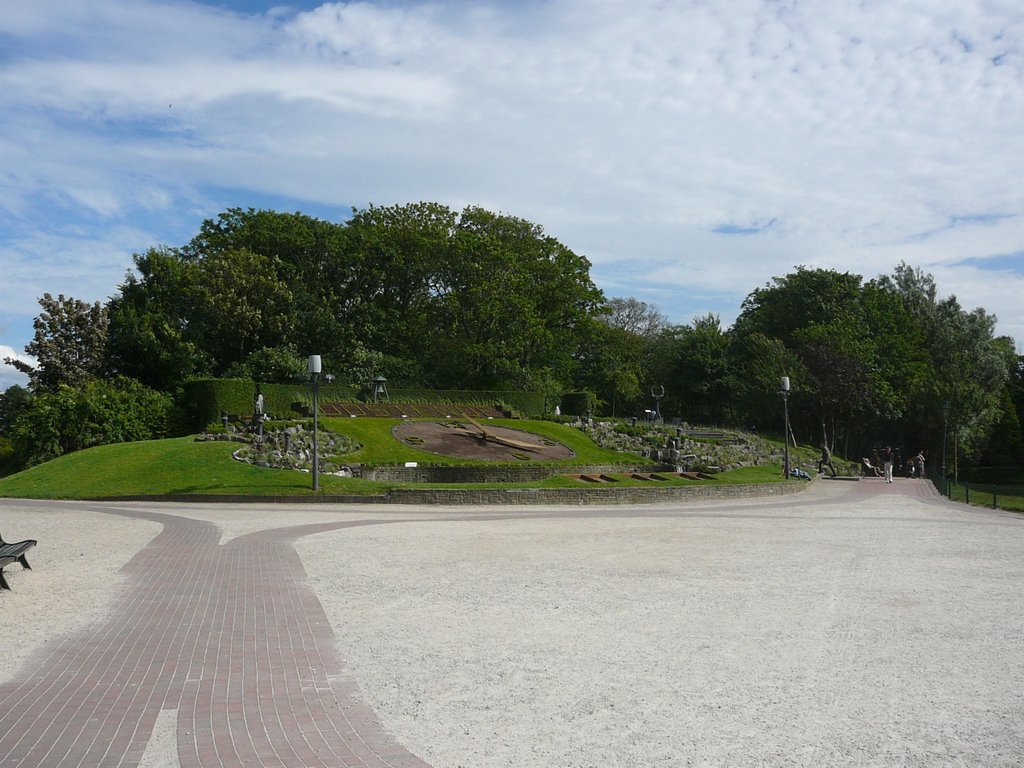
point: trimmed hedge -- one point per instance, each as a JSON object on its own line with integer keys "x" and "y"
{"x": 279, "y": 399}
{"x": 526, "y": 404}
{"x": 204, "y": 400}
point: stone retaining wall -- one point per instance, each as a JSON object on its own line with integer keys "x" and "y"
{"x": 492, "y": 474}
{"x": 503, "y": 496}
{"x": 588, "y": 495}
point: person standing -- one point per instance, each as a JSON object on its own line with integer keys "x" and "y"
{"x": 887, "y": 457}
{"x": 919, "y": 462}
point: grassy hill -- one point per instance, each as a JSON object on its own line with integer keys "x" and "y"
{"x": 185, "y": 466}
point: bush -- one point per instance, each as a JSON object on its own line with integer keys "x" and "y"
{"x": 97, "y": 413}
{"x": 9, "y": 463}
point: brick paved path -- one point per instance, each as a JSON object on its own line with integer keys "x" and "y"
{"x": 230, "y": 638}
{"x": 230, "y": 642}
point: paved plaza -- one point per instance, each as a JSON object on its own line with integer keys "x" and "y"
{"x": 855, "y": 624}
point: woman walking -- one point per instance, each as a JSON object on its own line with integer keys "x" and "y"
{"x": 887, "y": 458}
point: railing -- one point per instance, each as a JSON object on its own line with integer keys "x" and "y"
{"x": 995, "y": 495}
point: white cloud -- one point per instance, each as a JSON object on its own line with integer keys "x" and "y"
{"x": 867, "y": 133}
{"x": 9, "y": 375}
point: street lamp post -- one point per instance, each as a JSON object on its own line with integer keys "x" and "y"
{"x": 784, "y": 391}
{"x": 313, "y": 366}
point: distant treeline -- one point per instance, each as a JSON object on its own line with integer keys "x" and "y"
{"x": 431, "y": 298}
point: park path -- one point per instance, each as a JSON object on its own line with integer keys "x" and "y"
{"x": 229, "y": 642}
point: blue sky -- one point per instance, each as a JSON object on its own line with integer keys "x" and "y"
{"x": 691, "y": 150}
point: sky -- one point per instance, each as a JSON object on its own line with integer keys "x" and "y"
{"x": 691, "y": 150}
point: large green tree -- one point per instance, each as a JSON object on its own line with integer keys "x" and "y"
{"x": 475, "y": 299}
{"x": 853, "y": 352}
{"x": 152, "y": 336}
{"x": 967, "y": 367}
{"x": 69, "y": 343}
{"x": 512, "y": 304}
{"x": 694, "y": 366}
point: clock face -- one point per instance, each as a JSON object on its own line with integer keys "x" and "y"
{"x": 470, "y": 439}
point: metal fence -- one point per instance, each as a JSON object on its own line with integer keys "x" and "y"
{"x": 995, "y": 495}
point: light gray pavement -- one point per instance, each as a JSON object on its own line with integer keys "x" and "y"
{"x": 857, "y": 624}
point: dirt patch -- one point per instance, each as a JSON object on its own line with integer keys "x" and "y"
{"x": 464, "y": 440}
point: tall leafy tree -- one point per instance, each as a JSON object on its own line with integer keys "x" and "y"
{"x": 308, "y": 256}
{"x": 151, "y": 335}
{"x": 967, "y": 366}
{"x": 855, "y": 352}
{"x": 757, "y": 363}
{"x": 615, "y": 366}
{"x": 512, "y": 304}
{"x": 695, "y": 370}
{"x": 242, "y": 304}
{"x": 390, "y": 280}
{"x": 634, "y": 316}
{"x": 815, "y": 314}
{"x": 68, "y": 344}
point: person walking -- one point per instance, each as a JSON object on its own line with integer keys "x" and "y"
{"x": 825, "y": 460}
{"x": 887, "y": 457}
{"x": 919, "y": 462}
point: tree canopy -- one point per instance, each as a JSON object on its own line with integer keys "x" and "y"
{"x": 471, "y": 299}
{"x": 437, "y": 298}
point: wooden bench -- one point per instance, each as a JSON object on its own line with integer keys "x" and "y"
{"x": 11, "y": 552}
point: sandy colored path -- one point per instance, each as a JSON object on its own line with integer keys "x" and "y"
{"x": 857, "y": 624}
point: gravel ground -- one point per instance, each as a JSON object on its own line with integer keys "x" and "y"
{"x": 836, "y": 628}
{"x": 878, "y": 632}
{"x": 75, "y": 572}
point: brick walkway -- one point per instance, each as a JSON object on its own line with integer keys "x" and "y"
{"x": 228, "y": 637}
{"x": 230, "y": 643}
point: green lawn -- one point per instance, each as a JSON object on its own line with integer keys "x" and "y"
{"x": 179, "y": 465}
{"x": 184, "y": 466}
{"x": 1008, "y": 495}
